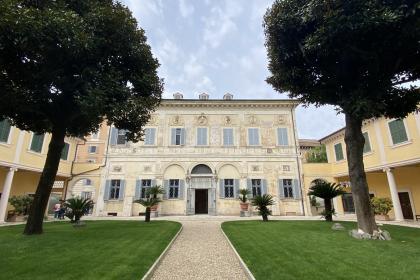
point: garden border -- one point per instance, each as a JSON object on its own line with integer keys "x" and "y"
{"x": 155, "y": 265}
{"x": 245, "y": 268}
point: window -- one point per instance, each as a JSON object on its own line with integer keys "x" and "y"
{"x": 86, "y": 195}
{"x": 37, "y": 142}
{"x": 4, "y": 131}
{"x": 287, "y": 188}
{"x": 87, "y": 182}
{"x": 229, "y": 188}
{"x": 282, "y": 138}
{"x": 286, "y": 167}
{"x": 65, "y": 151}
{"x": 366, "y": 147}
{"x": 144, "y": 185}
{"x": 121, "y": 137}
{"x": 177, "y": 136}
{"x": 149, "y": 136}
{"x": 227, "y": 136}
{"x": 114, "y": 192}
{"x": 398, "y": 132}
{"x": 256, "y": 187}
{"x": 338, "y": 148}
{"x": 92, "y": 149}
{"x": 173, "y": 188}
{"x": 202, "y": 136}
{"x": 253, "y": 137}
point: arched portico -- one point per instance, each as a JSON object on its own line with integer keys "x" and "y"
{"x": 201, "y": 192}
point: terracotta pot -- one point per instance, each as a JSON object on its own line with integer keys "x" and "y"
{"x": 244, "y": 206}
{"x": 154, "y": 208}
{"x": 382, "y": 217}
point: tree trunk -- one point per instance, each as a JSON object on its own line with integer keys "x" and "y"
{"x": 43, "y": 191}
{"x": 328, "y": 210}
{"x": 265, "y": 217}
{"x": 147, "y": 217}
{"x": 354, "y": 148}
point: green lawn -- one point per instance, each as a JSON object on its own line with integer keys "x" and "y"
{"x": 311, "y": 250}
{"x": 101, "y": 250}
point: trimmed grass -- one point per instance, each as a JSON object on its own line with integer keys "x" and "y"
{"x": 311, "y": 250}
{"x": 101, "y": 250}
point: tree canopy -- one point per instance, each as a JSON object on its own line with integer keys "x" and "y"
{"x": 352, "y": 54}
{"x": 72, "y": 64}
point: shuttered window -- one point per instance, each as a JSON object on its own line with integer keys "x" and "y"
{"x": 121, "y": 140}
{"x": 65, "y": 151}
{"x": 229, "y": 188}
{"x": 398, "y": 132}
{"x": 37, "y": 142}
{"x": 4, "y": 131}
{"x": 253, "y": 137}
{"x": 282, "y": 137}
{"x": 177, "y": 136}
{"x": 256, "y": 187}
{"x": 145, "y": 184}
{"x": 227, "y": 136}
{"x": 114, "y": 192}
{"x": 338, "y": 148}
{"x": 92, "y": 149}
{"x": 173, "y": 188}
{"x": 366, "y": 147}
{"x": 202, "y": 136}
{"x": 149, "y": 136}
{"x": 287, "y": 188}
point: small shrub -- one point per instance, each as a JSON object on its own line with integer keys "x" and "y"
{"x": 21, "y": 203}
{"x": 381, "y": 206}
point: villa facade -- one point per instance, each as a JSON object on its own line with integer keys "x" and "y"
{"x": 202, "y": 152}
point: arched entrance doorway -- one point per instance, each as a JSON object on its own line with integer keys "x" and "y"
{"x": 201, "y": 191}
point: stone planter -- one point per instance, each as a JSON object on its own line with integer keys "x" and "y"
{"x": 244, "y": 206}
{"x": 16, "y": 218}
{"x": 382, "y": 217}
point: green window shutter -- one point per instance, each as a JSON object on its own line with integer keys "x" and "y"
{"x": 181, "y": 189}
{"x": 65, "y": 151}
{"x": 37, "y": 141}
{"x": 166, "y": 188}
{"x": 282, "y": 137}
{"x": 107, "y": 189}
{"x": 221, "y": 188}
{"x": 236, "y": 188}
{"x": 296, "y": 189}
{"x": 397, "y": 130}
{"x": 366, "y": 147}
{"x": 281, "y": 188}
{"x": 4, "y": 131}
{"x": 338, "y": 152}
{"x": 122, "y": 190}
{"x": 263, "y": 187}
{"x": 138, "y": 189}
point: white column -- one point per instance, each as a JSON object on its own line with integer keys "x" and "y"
{"x": 394, "y": 195}
{"x": 6, "y": 193}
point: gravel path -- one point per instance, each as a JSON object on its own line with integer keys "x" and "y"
{"x": 200, "y": 252}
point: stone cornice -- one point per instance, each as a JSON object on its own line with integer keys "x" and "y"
{"x": 236, "y": 103}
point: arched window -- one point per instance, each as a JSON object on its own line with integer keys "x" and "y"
{"x": 201, "y": 169}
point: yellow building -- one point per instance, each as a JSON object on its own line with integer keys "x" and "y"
{"x": 392, "y": 165}
{"x": 22, "y": 158}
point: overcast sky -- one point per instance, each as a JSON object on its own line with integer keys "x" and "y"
{"x": 217, "y": 46}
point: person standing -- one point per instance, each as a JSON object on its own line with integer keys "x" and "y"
{"x": 57, "y": 208}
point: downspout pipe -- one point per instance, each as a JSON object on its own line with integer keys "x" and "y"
{"x": 297, "y": 159}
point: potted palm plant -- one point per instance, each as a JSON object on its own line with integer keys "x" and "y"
{"x": 243, "y": 198}
{"x": 327, "y": 191}
{"x": 154, "y": 192}
{"x": 148, "y": 203}
{"x": 381, "y": 207}
{"x": 76, "y": 208}
{"x": 262, "y": 202}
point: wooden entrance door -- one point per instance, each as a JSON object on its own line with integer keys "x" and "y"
{"x": 406, "y": 205}
{"x": 201, "y": 201}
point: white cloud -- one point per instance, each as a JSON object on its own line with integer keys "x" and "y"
{"x": 185, "y": 8}
{"x": 167, "y": 52}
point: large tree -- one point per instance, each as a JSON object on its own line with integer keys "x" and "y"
{"x": 67, "y": 65}
{"x": 354, "y": 55}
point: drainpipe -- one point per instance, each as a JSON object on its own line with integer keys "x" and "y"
{"x": 298, "y": 161}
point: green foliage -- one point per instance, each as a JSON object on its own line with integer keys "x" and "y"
{"x": 352, "y": 54}
{"x": 243, "y": 195}
{"x": 262, "y": 202}
{"x": 77, "y": 207}
{"x": 325, "y": 190}
{"x": 381, "y": 206}
{"x": 314, "y": 203}
{"x": 148, "y": 202}
{"x": 155, "y": 191}
{"x": 21, "y": 203}
{"x": 326, "y": 214}
{"x": 73, "y": 64}
{"x": 317, "y": 155}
